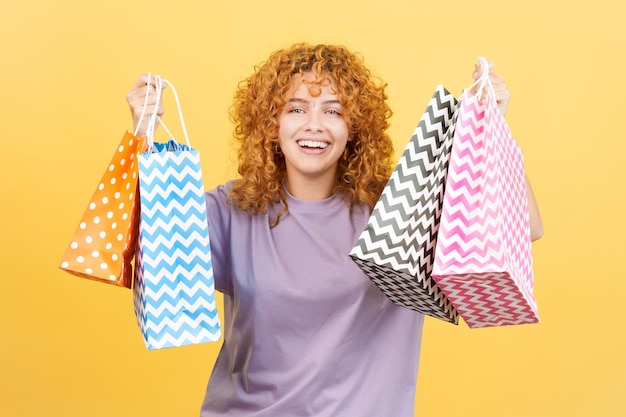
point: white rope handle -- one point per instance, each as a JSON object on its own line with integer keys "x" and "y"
{"x": 180, "y": 113}
{"x": 152, "y": 122}
{"x": 154, "y": 118}
{"x": 483, "y": 80}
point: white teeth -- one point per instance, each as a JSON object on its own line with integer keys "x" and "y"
{"x": 312, "y": 144}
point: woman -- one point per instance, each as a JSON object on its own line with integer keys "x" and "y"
{"x": 306, "y": 333}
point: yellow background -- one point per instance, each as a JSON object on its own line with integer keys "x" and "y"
{"x": 71, "y": 347}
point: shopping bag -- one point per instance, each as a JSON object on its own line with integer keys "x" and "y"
{"x": 483, "y": 259}
{"x": 103, "y": 244}
{"x": 396, "y": 248}
{"x": 173, "y": 291}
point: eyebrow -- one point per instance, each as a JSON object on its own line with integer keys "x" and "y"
{"x": 300, "y": 100}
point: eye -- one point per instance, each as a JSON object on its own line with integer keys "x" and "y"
{"x": 333, "y": 112}
{"x": 291, "y": 108}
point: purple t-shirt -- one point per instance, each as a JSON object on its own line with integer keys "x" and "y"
{"x": 306, "y": 333}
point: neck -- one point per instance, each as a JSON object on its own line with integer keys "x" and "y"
{"x": 309, "y": 190}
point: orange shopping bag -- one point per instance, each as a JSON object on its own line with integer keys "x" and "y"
{"x": 103, "y": 244}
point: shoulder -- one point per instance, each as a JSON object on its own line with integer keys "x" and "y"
{"x": 360, "y": 215}
{"x": 220, "y": 209}
{"x": 219, "y": 195}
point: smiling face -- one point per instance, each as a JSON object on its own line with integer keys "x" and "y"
{"x": 312, "y": 135}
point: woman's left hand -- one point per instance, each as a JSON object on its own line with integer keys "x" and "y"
{"x": 499, "y": 86}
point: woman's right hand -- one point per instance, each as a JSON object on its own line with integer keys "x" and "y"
{"x": 136, "y": 99}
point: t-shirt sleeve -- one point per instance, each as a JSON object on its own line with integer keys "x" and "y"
{"x": 219, "y": 216}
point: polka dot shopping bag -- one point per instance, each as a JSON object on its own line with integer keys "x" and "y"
{"x": 103, "y": 244}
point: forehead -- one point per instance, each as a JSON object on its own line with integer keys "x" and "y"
{"x": 314, "y": 84}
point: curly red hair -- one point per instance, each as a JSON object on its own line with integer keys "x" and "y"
{"x": 365, "y": 166}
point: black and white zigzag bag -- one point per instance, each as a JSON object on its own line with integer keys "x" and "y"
{"x": 397, "y": 248}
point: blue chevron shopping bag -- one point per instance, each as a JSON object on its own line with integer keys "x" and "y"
{"x": 396, "y": 249}
{"x": 174, "y": 293}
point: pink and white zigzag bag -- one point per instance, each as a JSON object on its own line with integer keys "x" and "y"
{"x": 483, "y": 259}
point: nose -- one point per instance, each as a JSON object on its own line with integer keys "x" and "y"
{"x": 314, "y": 122}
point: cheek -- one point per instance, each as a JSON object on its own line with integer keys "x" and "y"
{"x": 280, "y": 125}
{"x": 277, "y": 129}
{"x": 342, "y": 131}
{"x": 280, "y": 132}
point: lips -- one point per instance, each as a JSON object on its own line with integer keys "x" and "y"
{"x": 312, "y": 144}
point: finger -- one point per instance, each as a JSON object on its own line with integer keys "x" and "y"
{"x": 142, "y": 91}
{"x": 497, "y": 82}
{"x": 137, "y": 107}
{"x": 137, "y": 96}
{"x": 150, "y": 79}
{"x": 479, "y": 69}
{"x": 494, "y": 78}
